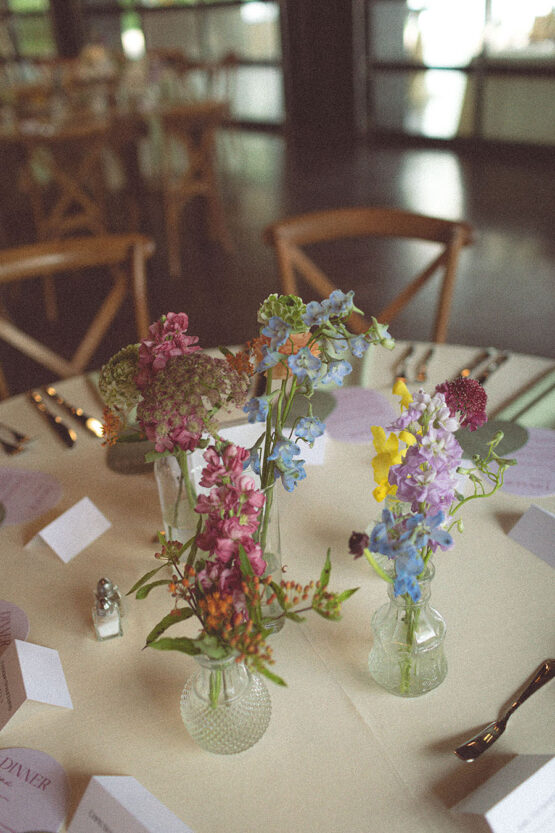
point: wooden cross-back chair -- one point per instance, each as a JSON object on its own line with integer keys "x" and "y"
{"x": 64, "y": 179}
{"x": 123, "y": 255}
{"x": 290, "y": 235}
{"x": 192, "y": 126}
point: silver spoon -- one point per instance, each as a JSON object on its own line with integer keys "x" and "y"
{"x": 474, "y": 747}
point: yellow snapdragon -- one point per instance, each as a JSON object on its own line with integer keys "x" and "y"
{"x": 388, "y": 450}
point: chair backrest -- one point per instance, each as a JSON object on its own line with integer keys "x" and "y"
{"x": 123, "y": 255}
{"x": 290, "y": 235}
{"x": 70, "y": 162}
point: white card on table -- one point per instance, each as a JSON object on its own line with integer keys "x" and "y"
{"x": 121, "y": 803}
{"x": 14, "y": 624}
{"x": 519, "y": 797}
{"x": 75, "y": 529}
{"x": 536, "y": 531}
{"x": 34, "y": 791}
{"x": 30, "y": 672}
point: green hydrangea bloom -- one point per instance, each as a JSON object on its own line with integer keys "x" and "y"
{"x": 290, "y": 309}
{"x": 116, "y": 382}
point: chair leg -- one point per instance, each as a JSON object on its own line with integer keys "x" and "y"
{"x": 172, "y": 236}
{"x": 50, "y": 300}
{"x": 4, "y": 389}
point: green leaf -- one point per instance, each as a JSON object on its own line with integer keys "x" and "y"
{"x": 246, "y": 566}
{"x": 346, "y": 594}
{"x": 271, "y": 676}
{"x": 144, "y": 579}
{"x": 294, "y": 616}
{"x": 280, "y": 594}
{"x": 145, "y": 590}
{"x": 211, "y": 646}
{"x": 181, "y": 643}
{"x": 326, "y": 572}
{"x": 171, "y": 619}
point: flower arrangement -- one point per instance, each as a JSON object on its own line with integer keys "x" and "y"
{"x": 300, "y": 349}
{"x": 175, "y": 391}
{"x": 419, "y": 468}
{"x": 218, "y": 578}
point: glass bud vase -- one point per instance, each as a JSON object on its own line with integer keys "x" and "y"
{"x": 269, "y": 537}
{"x": 407, "y": 657}
{"x": 225, "y": 707}
{"x": 177, "y": 497}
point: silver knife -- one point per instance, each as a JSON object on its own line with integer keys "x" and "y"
{"x": 422, "y": 367}
{"x": 67, "y": 435}
{"x": 93, "y": 424}
{"x": 492, "y": 366}
{"x": 401, "y": 371}
{"x": 467, "y": 369}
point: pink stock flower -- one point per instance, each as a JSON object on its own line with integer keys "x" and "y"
{"x": 167, "y": 340}
{"x": 232, "y": 508}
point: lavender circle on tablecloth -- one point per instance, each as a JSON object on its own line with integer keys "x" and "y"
{"x": 26, "y": 495}
{"x": 534, "y": 474}
{"x": 357, "y": 410}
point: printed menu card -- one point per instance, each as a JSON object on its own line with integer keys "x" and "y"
{"x": 121, "y": 803}
{"x": 30, "y": 672}
{"x": 34, "y": 792}
{"x": 14, "y": 624}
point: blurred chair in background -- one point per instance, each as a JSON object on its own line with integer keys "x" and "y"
{"x": 192, "y": 128}
{"x": 124, "y": 256}
{"x": 291, "y": 235}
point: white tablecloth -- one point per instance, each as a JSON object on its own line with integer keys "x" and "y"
{"x": 340, "y": 753}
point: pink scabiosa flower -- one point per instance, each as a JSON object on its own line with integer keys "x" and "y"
{"x": 468, "y": 398}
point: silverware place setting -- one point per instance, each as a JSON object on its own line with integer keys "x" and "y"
{"x": 477, "y": 745}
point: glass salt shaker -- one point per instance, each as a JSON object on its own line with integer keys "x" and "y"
{"x": 106, "y": 619}
{"x": 106, "y": 589}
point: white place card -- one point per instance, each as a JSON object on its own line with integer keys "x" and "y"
{"x": 74, "y": 529}
{"x": 14, "y": 624}
{"x": 536, "y": 531}
{"x": 30, "y": 672}
{"x": 520, "y": 797}
{"x": 34, "y": 791}
{"x": 121, "y": 803}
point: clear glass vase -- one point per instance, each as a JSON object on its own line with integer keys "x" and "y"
{"x": 177, "y": 494}
{"x": 407, "y": 656}
{"x": 269, "y": 538}
{"x": 225, "y": 707}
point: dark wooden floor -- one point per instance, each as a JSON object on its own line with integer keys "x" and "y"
{"x": 505, "y": 294}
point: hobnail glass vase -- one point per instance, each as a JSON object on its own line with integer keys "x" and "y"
{"x": 407, "y": 656}
{"x": 177, "y": 496}
{"x": 225, "y": 707}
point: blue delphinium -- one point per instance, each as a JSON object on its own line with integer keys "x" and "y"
{"x": 277, "y": 331}
{"x": 257, "y": 408}
{"x": 304, "y": 364}
{"x": 309, "y": 429}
